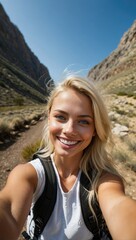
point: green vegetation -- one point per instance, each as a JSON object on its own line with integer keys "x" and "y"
{"x": 121, "y": 84}
{"x": 19, "y": 101}
{"x": 29, "y": 150}
{"x": 17, "y": 88}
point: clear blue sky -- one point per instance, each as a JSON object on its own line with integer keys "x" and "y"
{"x": 71, "y": 34}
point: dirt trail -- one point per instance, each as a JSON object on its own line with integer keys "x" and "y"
{"x": 11, "y": 156}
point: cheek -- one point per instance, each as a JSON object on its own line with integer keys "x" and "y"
{"x": 54, "y": 127}
{"x": 88, "y": 135}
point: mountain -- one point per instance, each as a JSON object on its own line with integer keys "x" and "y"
{"x": 118, "y": 70}
{"x": 115, "y": 78}
{"x": 21, "y": 73}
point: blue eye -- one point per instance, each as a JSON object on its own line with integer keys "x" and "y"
{"x": 83, "y": 122}
{"x": 60, "y": 117}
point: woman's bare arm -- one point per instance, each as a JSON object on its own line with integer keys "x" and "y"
{"x": 15, "y": 201}
{"x": 118, "y": 209}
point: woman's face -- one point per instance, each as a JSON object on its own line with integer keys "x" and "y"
{"x": 71, "y": 124}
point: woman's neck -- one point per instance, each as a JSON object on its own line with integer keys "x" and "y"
{"x": 66, "y": 167}
{"x": 67, "y": 170}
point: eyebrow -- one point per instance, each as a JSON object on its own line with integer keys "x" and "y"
{"x": 82, "y": 115}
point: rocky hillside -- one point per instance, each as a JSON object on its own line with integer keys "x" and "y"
{"x": 115, "y": 77}
{"x": 120, "y": 65}
{"x": 20, "y": 69}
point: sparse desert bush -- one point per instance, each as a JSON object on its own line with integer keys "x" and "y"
{"x": 124, "y": 122}
{"x": 131, "y": 144}
{"x": 37, "y": 116}
{"x": 31, "y": 116}
{"x": 121, "y": 155}
{"x": 130, "y": 95}
{"x": 29, "y": 150}
{"x": 131, "y": 113}
{"x": 27, "y": 120}
{"x": 17, "y": 123}
{"x": 4, "y": 129}
{"x": 121, "y": 93}
{"x": 19, "y": 101}
{"x": 131, "y": 165}
{"x": 121, "y": 111}
{"x": 113, "y": 118}
{"x": 14, "y": 119}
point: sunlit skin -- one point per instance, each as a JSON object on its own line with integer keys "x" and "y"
{"x": 71, "y": 127}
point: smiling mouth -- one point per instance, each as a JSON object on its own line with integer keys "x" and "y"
{"x": 68, "y": 142}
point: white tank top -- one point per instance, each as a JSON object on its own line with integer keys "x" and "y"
{"x": 66, "y": 221}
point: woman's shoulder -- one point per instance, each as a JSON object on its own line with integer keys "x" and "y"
{"x": 38, "y": 167}
{"x": 110, "y": 189}
{"x": 111, "y": 181}
{"x": 23, "y": 176}
{"x": 110, "y": 177}
{"x": 23, "y": 171}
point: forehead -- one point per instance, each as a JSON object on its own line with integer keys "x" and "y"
{"x": 72, "y": 99}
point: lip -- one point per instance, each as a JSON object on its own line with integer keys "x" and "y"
{"x": 69, "y": 143}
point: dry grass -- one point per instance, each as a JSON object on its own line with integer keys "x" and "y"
{"x": 29, "y": 150}
{"x": 119, "y": 93}
{"x": 16, "y": 119}
{"x": 132, "y": 145}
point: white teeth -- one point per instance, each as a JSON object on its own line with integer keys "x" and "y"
{"x": 67, "y": 142}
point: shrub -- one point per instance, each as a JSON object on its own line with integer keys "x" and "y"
{"x": 121, "y": 155}
{"x": 4, "y": 129}
{"x": 124, "y": 121}
{"x": 121, "y": 93}
{"x": 19, "y": 101}
{"x": 29, "y": 150}
{"x": 121, "y": 111}
{"x": 132, "y": 165}
{"x": 132, "y": 145}
{"x": 17, "y": 123}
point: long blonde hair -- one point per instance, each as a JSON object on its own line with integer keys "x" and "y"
{"x": 96, "y": 156}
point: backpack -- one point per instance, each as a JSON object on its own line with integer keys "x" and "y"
{"x": 48, "y": 198}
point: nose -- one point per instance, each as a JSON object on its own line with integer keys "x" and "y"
{"x": 70, "y": 128}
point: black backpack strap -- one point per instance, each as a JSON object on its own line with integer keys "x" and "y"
{"x": 88, "y": 217}
{"x": 98, "y": 228}
{"x": 47, "y": 200}
{"x": 44, "y": 206}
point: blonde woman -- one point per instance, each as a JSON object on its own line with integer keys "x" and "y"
{"x": 76, "y": 135}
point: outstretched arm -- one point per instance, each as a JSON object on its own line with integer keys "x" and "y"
{"x": 15, "y": 201}
{"x": 118, "y": 209}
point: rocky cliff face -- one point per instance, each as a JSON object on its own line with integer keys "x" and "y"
{"x": 14, "y": 48}
{"x": 22, "y": 77}
{"x": 115, "y": 78}
{"x": 123, "y": 58}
